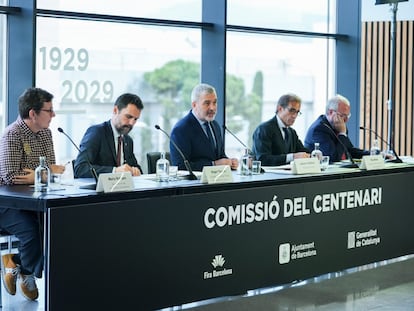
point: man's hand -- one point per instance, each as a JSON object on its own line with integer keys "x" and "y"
{"x": 299, "y": 155}
{"x": 26, "y": 179}
{"x": 127, "y": 168}
{"x": 338, "y": 124}
{"x": 233, "y": 162}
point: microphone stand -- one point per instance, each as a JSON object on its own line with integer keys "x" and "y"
{"x": 348, "y": 154}
{"x": 391, "y": 100}
{"x": 243, "y": 144}
{"x": 397, "y": 158}
{"x": 191, "y": 175}
{"x": 232, "y": 134}
{"x": 92, "y": 169}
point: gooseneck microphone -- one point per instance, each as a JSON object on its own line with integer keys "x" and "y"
{"x": 348, "y": 155}
{"x": 241, "y": 143}
{"x": 77, "y": 148}
{"x": 397, "y": 158}
{"x": 191, "y": 175}
{"x": 232, "y": 134}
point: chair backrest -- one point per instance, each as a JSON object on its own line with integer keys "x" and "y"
{"x": 152, "y": 158}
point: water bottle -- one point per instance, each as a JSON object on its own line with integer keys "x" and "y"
{"x": 375, "y": 149}
{"x": 42, "y": 176}
{"x": 316, "y": 152}
{"x": 245, "y": 164}
{"x": 162, "y": 168}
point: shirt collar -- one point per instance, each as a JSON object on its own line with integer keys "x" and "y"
{"x": 280, "y": 123}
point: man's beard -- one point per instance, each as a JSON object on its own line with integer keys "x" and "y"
{"x": 125, "y": 129}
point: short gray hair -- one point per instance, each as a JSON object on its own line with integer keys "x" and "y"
{"x": 200, "y": 89}
{"x": 333, "y": 102}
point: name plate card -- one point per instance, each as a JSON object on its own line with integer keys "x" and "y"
{"x": 115, "y": 182}
{"x": 216, "y": 174}
{"x": 372, "y": 162}
{"x": 306, "y": 166}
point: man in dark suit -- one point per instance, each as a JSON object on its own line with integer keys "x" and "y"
{"x": 107, "y": 146}
{"x": 274, "y": 141}
{"x": 198, "y": 135}
{"x": 330, "y": 131}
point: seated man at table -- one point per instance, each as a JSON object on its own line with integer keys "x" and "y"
{"x": 23, "y": 142}
{"x": 330, "y": 131}
{"x": 107, "y": 146}
{"x": 198, "y": 135}
{"x": 274, "y": 141}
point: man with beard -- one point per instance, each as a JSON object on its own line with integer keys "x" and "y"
{"x": 107, "y": 146}
{"x": 198, "y": 135}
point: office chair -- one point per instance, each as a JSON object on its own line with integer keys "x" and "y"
{"x": 152, "y": 158}
{"x": 8, "y": 245}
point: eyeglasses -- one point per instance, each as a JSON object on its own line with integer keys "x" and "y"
{"x": 51, "y": 111}
{"x": 343, "y": 115}
{"x": 293, "y": 111}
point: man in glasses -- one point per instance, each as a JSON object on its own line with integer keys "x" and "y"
{"x": 21, "y": 145}
{"x": 330, "y": 131}
{"x": 274, "y": 141}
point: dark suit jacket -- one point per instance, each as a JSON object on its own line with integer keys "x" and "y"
{"x": 98, "y": 147}
{"x": 193, "y": 142}
{"x": 330, "y": 143}
{"x": 269, "y": 145}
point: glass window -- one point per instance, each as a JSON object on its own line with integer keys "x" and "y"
{"x": 3, "y": 56}
{"x": 187, "y": 10}
{"x": 87, "y": 65}
{"x": 270, "y": 67}
{"x": 301, "y": 15}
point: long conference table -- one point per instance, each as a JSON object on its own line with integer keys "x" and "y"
{"x": 171, "y": 243}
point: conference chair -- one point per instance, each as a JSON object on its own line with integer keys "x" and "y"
{"x": 8, "y": 245}
{"x": 152, "y": 158}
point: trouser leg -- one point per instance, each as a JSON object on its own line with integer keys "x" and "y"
{"x": 25, "y": 225}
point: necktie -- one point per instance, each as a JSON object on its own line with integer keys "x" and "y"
{"x": 343, "y": 155}
{"x": 210, "y": 135}
{"x": 119, "y": 150}
{"x": 285, "y": 129}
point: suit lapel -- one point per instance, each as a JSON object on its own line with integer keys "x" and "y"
{"x": 110, "y": 140}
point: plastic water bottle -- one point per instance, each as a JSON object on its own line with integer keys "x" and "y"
{"x": 316, "y": 152}
{"x": 42, "y": 176}
{"x": 245, "y": 164}
{"x": 375, "y": 149}
{"x": 162, "y": 168}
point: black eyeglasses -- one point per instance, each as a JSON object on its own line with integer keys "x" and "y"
{"x": 51, "y": 111}
{"x": 293, "y": 111}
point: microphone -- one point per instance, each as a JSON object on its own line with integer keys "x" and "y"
{"x": 232, "y": 134}
{"x": 348, "y": 155}
{"x": 77, "y": 148}
{"x": 397, "y": 158}
{"x": 191, "y": 175}
{"x": 243, "y": 144}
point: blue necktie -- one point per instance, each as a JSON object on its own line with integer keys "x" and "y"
{"x": 210, "y": 136}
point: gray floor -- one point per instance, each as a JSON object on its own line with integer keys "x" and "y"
{"x": 384, "y": 286}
